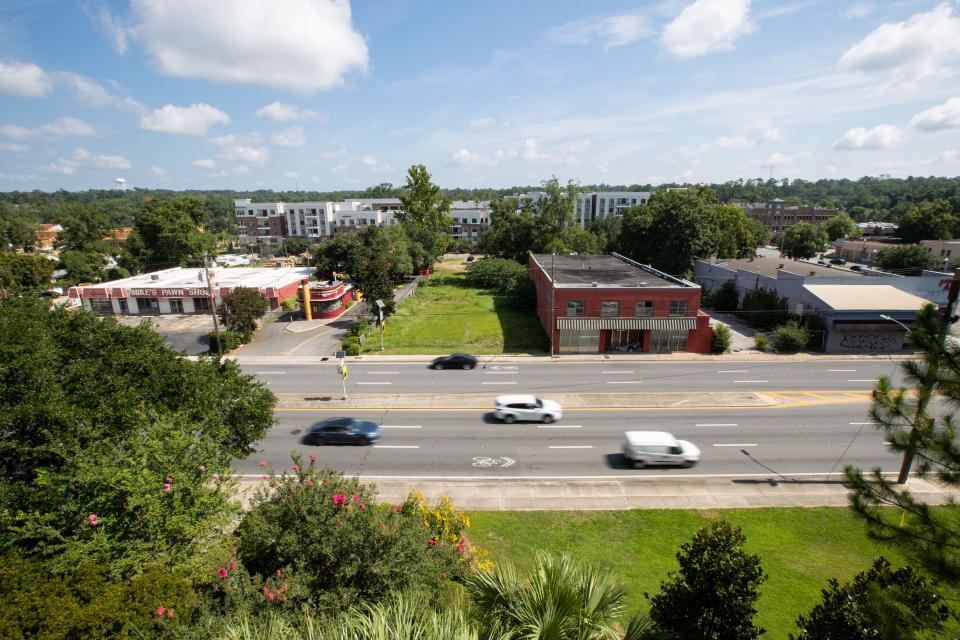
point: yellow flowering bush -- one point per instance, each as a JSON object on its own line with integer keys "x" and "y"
{"x": 449, "y": 525}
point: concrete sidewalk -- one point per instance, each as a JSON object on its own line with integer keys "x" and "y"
{"x": 641, "y": 492}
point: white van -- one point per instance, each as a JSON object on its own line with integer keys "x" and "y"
{"x": 644, "y": 448}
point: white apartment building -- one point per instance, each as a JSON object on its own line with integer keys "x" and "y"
{"x": 606, "y": 204}
{"x": 471, "y": 219}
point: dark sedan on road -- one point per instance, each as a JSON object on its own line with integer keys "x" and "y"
{"x": 454, "y": 361}
{"x": 343, "y": 431}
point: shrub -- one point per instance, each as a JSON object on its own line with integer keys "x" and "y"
{"x": 359, "y": 329}
{"x": 761, "y": 342}
{"x": 229, "y": 340}
{"x": 763, "y": 308}
{"x": 496, "y": 274}
{"x": 722, "y": 336}
{"x": 290, "y": 304}
{"x": 714, "y": 593}
{"x": 328, "y": 532}
{"x": 791, "y": 337}
{"x": 726, "y": 297}
{"x": 351, "y": 346}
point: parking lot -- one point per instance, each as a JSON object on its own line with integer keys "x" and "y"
{"x": 187, "y": 333}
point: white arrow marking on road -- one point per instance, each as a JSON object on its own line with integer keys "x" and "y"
{"x": 400, "y": 426}
{"x": 559, "y": 426}
{"x": 716, "y": 424}
{"x": 736, "y": 445}
{"x": 396, "y": 446}
{"x": 507, "y": 462}
{"x": 571, "y": 446}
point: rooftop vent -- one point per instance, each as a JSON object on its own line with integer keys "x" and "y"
{"x": 154, "y": 276}
{"x": 594, "y": 284}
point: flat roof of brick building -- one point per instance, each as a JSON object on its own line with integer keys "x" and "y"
{"x": 605, "y": 271}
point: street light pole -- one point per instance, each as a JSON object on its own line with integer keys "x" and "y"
{"x": 213, "y": 306}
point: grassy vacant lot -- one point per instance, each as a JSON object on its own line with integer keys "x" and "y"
{"x": 800, "y": 548}
{"x": 445, "y": 316}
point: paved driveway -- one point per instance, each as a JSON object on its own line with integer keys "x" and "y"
{"x": 300, "y": 338}
{"x": 187, "y": 333}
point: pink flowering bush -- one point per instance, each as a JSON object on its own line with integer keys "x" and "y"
{"x": 338, "y": 544}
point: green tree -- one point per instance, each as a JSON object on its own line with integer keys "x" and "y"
{"x": 17, "y": 231}
{"x": 721, "y": 339}
{"x": 714, "y": 594}
{"x": 241, "y": 308}
{"x": 423, "y": 203}
{"x": 803, "y": 240}
{"x": 839, "y": 226}
{"x": 116, "y": 450}
{"x": 511, "y": 232}
{"x": 931, "y": 221}
{"x": 496, "y": 274}
{"x": 734, "y": 233}
{"x": 908, "y": 259}
{"x": 878, "y": 603}
{"x": 340, "y": 254}
{"x": 83, "y": 229}
{"x": 671, "y": 231}
{"x": 928, "y": 443}
{"x": 761, "y": 234}
{"x": 20, "y": 273}
{"x": 554, "y": 219}
{"x": 82, "y": 266}
{"x": 170, "y": 233}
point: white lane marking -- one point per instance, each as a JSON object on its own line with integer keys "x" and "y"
{"x": 610, "y": 476}
{"x": 716, "y": 424}
{"x": 400, "y": 426}
{"x": 734, "y": 371}
{"x": 374, "y": 383}
{"x": 735, "y": 445}
{"x": 841, "y": 370}
{"x": 857, "y": 424}
{"x": 749, "y": 381}
{"x": 559, "y": 426}
{"x": 624, "y": 382}
{"x": 571, "y": 446}
{"x": 863, "y": 380}
{"x": 382, "y": 373}
{"x": 623, "y": 372}
{"x": 270, "y": 373}
{"x": 501, "y": 373}
{"x": 396, "y": 446}
{"x": 507, "y": 382}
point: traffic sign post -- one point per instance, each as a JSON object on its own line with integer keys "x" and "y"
{"x": 380, "y": 307}
{"x": 342, "y": 370}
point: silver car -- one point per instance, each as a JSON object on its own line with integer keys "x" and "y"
{"x": 522, "y": 407}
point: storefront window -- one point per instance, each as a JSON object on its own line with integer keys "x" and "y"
{"x": 579, "y": 341}
{"x": 101, "y": 306}
{"x": 148, "y": 305}
{"x": 610, "y": 308}
{"x": 574, "y": 307}
{"x": 201, "y": 304}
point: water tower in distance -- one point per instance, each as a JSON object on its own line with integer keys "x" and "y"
{"x": 121, "y": 184}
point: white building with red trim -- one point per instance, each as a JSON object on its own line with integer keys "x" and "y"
{"x": 185, "y": 290}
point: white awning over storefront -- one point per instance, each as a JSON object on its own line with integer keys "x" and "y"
{"x": 626, "y": 324}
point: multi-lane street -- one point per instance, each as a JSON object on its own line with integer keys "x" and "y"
{"x": 448, "y": 438}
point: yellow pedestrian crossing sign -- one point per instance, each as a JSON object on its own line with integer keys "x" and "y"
{"x": 343, "y": 370}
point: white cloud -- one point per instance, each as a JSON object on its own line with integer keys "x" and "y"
{"x": 159, "y": 172}
{"x": 705, "y": 26}
{"x": 245, "y": 153}
{"x": 882, "y": 136}
{"x": 780, "y": 160}
{"x": 915, "y": 49}
{"x": 237, "y": 139}
{"x": 280, "y": 112}
{"x": 530, "y": 150}
{"x": 192, "y": 121}
{"x": 949, "y": 155}
{"x": 859, "y": 10}
{"x": 58, "y": 128}
{"x": 292, "y": 137}
{"x": 940, "y": 118}
{"x": 745, "y": 138}
{"x": 308, "y": 46}
{"x": 114, "y": 30}
{"x": 205, "y": 163}
{"x": 13, "y": 146}
{"x": 480, "y": 123}
{"x": 24, "y": 79}
{"x": 83, "y": 159}
{"x": 370, "y": 161}
{"x": 291, "y": 174}
{"x": 606, "y": 31}
{"x": 336, "y": 153}
{"x": 91, "y": 92}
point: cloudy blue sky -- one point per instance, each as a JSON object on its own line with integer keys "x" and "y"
{"x": 331, "y": 94}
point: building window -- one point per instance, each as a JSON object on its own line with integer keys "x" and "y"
{"x": 579, "y": 342}
{"x": 610, "y": 308}
{"x": 201, "y": 304}
{"x": 101, "y": 306}
{"x": 644, "y": 308}
{"x": 176, "y": 306}
{"x": 574, "y": 307}
{"x": 148, "y": 305}
{"x": 678, "y": 307}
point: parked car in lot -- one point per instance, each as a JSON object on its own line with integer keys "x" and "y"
{"x": 837, "y": 261}
{"x": 857, "y": 267}
{"x": 454, "y": 361}
{"x": 343, "y": 431}
{"x": 644, "y": 448}
{"x": 821, "y": 261}
{"x": 528, "y": 408}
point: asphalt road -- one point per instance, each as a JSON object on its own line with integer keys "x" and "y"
{"x": 587, "y": 443}
{"x": 498, "y": 378}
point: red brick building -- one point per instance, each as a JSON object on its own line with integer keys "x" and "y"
{"x": 599, "y": 304}
{"x": 778, "y": 218}
{"x": 327, "y": 299}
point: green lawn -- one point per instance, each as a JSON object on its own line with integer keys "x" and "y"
{"x": 445, "y": 316}
{"x": 800, "y": 548}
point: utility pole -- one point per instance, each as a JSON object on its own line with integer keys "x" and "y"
{"x": 213, "y": 305}
{"x": 553, "y": 300}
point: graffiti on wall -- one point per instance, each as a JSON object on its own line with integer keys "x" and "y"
{"x": 870, "y": 341}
